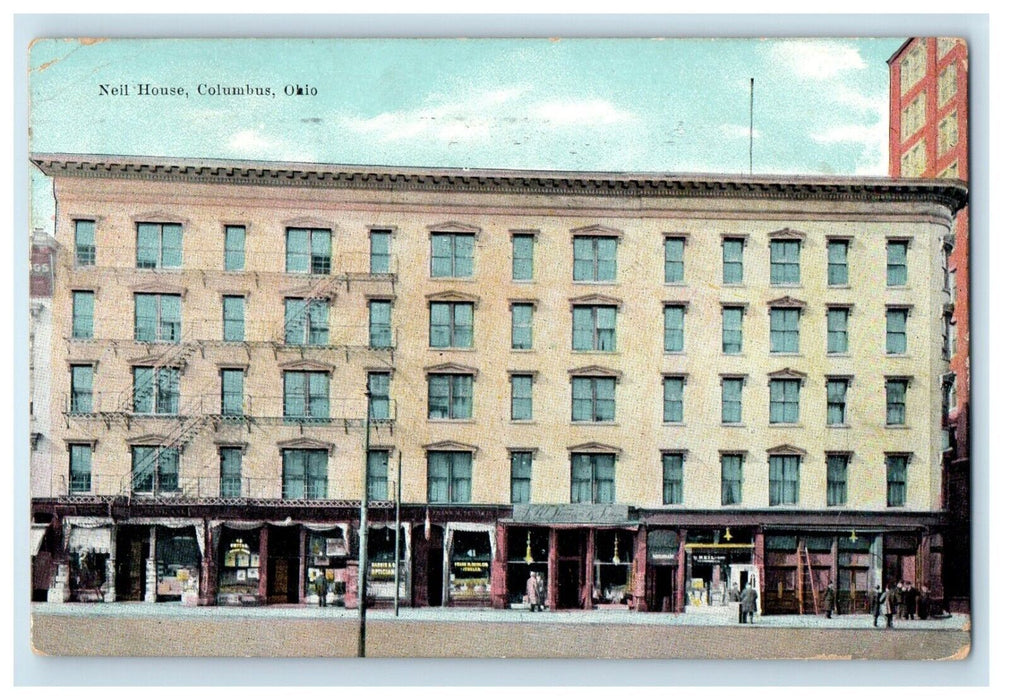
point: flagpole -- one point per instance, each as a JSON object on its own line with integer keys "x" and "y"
{"x": 751, "y": 126}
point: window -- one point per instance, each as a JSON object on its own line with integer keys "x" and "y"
{"x": 897, "y": 480}
{"x": 593, "y": 399}
{"x": 732, "y": 400}
{"x": 307, "y": 250}
{"x": 305, "y": 473}
{"x": 233, "y": 310}
{"x": 595, "y": 259}
{"x": 785, "y": 261}
{"x": 732, "y": 479}
{"x": 380, "y": 329}
{"x": 522, "y": 397}
{"x": 450, "y": 396}
{"x": 913, "y": 160}
{"x": 673, "y": 253}
{"x": 522, "y": 476}
{"x": 785, "y": 400}
{"x": 947, "y": 84}
{"x": 451, "y": 325}
{"x": 81, "y": 383}
{"x": 594, "y": 328}
{"x": 378, "y": 395}
{"x": 378, "y": 254}
{"x": 84, "y": 243}
{"x": 897, "y": 320}
{"x": 732, "y": 330}
{"x": 913, "y": 66}
{"x": 307, "y": 395}
{"x": 234, "y": 248}
{"x": 522, "y": 326}
{"x": 952, "y": 394}
{"x": 838, "y": 467}
{"x": 837, "y": 388}
{"x": 732, "y": 260}
{"x": 946, "y": 133}
{"x": 449, "y": 477}
{"x": 452, "y": 254}
{"x": 673, "y": 328}
{"x": 155, "y": 469}
{"x": 592, "y": 478}
{"x": 897, "y": 263}
{"x": 83, "y": 322}
{"x": 838, "y": 330}
{"x": 522, "y": 257}
{"x": 157, "y": 318}
{"x": 156, "y": 390}
{"x": 783, "y": 480}
{"x": 232, "y": 392}
{"x": 80, "y": 468}
{"x": 378, "y": 475}
{"x": 838, "y": 263}
{"x": 159, "y": 246}
{"x": 673, "y": 478}
{"x": 785, "y": 330}
{"x": 673, "y": 399}
{"x": 913, "y": 117}
{"x": 896, "y": 390}
{"x": 306, "y": 322}
{"x": 231, "y": 472}
{"x": 947, "y": 347}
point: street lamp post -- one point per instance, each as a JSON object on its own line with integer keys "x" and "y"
{"x": 363, "y": 535}
{"x": 396, "y": 555}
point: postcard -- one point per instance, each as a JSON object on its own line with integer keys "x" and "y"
{"x": 550, "y": 348}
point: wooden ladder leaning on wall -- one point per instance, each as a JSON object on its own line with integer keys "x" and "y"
{"x": 809, "y": 571}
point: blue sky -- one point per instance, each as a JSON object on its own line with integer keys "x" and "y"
{"x": 676, "y": 105}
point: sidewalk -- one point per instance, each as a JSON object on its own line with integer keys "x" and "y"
{"x": 713, "y": 617}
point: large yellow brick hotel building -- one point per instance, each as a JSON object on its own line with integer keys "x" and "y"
{"x": 647, "y": 387}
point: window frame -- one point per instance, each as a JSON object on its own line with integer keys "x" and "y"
{"x": 234, "y": 255}
{"x": 228, "y": 406}
{"x": 521, "y": 483}
{"x": 731, "y": 475}
{"x": 784, "y": 401}
{"x": 461, "y": 261}
{"x": 459, "y": 471}
{"x": 79, "y": 475}
{"x": 787, "y": 491}
{"x": 600, "y": 333}
{"x": 515, "y": 382}
{"x": 730, "y": 264}
{"x": 311, "y": 402}
{"x": 673, "y": 478}
{"x": 229, "y": 324}
{"x": 840, "y": 268}
{"x": 306, "y": 322}
{"x": 598, "y": 465}
{"x": 596, "y": 259}
{"x": 318, "y": 257}
{"x": 519, "y": 273}
{"x": 673, "y": 264}
{"x": 159, "y": 323}
{"x": 674, "y": 337}
{"x": 898, "y": 268}
{"x": 458, "y": 395}
{"x": 376, "y": 399}
{"x": 165, "y": 461}
{"x": 897, "y": 490}
{"x": 837, "y": 493}
{"x": 85, "y": 253}
{"x": 380, "y": 330}
{"x": 833, "y": 334}
{"x": 314, "y": 485}
{"x": 522, "y": 332}
{"x": 163, "y": 392}
{"x": 459, "y": 334}
{"x": 780, "y": 261}
{"x": 899, "y": 335}
{"x": 728, "y": 401}
{"x": 82, "y": 325}
{"x": 894, "y": 406}
{"x": 377, "y": 477}
{"x": 82, "y": 397}
{"x": 673, "y": 405}
{"x": 729, "y": 332}
{"x": 160, "y": 250}
{"x": 846, "y": 382}
{"x": 379, "y": 261}
{"x": 596, "y": 401}
{"x": 230, "y": 479}
{"x": 784, "y": 339}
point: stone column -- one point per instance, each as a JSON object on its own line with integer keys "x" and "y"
{"x": 552, "y": 568}
{"x": 208, "y": 571}
{"x": 759, "y": 562}
{"x": 589, "y": 568}
{"x": 302, "y": 546}
{"x": 681, "y": 571}
{"x": 151, "y": 590}
{"x": 110, "y": 567}
{"x": 499, "y": 592}
{"x": 639, "y": 569}
{"x": 263, "y": 589}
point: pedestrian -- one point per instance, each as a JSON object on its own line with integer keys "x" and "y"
{"x": 875, "y": 604}
{"x": 734, "y": 598}
{"x": 532, "y": 591}
{"x": 887, "y": 600}
{"x": 829, "y": 600}
{"x": 541, "y": 591}
{"x": 899, "y": 594}
{"x": 911, "y": 600}
{"x": 321, "y": 588}
{"x": 748, "y": 603}
{"x": 923, "y": 607}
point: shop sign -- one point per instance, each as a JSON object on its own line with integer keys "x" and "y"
{"x": 470, "y": 569}
{"x": 709, "y": 558}
{"x": 381, "y": 571}
{"x": 336, "y": 547}
{"x": 41, "y": 277}
{"x": 580, "y": 513}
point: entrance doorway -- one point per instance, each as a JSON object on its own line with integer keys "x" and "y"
{"x": 571, "y": 569}
{"x": 133, "y": 546}
{"x": 282, "y": 565}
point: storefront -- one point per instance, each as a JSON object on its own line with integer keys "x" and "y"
{"x": 326, "y": 554}
{"x": 524, "y": 554}
{"x": 239, "y": 566}
{"x": 90, "y": 559}
{"x": 661, "y": 586}
{"x": 715, "y": 561}
{"x": 382, "y": 563}
{"x": 469, "y": 551}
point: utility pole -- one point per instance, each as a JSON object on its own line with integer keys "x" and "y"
{"x": 363, "y": 535}
{"x": 396, "y": 554}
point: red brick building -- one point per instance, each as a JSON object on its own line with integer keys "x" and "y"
{"x": 929, "y": 139}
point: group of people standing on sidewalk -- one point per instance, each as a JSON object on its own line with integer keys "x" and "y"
{"x": 903, "y": 599}
{"x": 747, "y": 598}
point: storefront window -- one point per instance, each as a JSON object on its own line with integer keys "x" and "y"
{"x": 327, "y": 555}
{"x": 239, "y": 572}
{"x": 527, "y": 552}
{"x": 178, "y": 558}
{"x": 470, "y": 572}
{"x": 612, "y": 567}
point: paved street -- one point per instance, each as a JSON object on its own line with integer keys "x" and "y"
{"x": 172, "y": 630}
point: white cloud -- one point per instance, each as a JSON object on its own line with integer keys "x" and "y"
{"x": 580, "y": 112}
{"x": 482, "y": 116}
{"x": 737, "y": 131}
{"x": 847, "y": 133}
{"x": 872, "y": 138}
{"x": 250, "y": 141}
{"x": 817, "y": 59}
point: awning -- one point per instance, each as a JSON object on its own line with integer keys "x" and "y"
{"x": 96, "y": 539}
{"x": 38, "y": 533}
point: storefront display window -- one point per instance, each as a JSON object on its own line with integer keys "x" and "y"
{"x": 178, "y": 559}
{"x": 612, "y": 567}
{"x": 240, "y": 561}
{"x": 327, "y": 555}
{"x": 470, "y": 572}
{"x": 382, "y": 566}
{"x": 527, "y": 551}
{"x": 87, "y": 575}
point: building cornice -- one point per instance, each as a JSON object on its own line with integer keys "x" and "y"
{"x": 949, "y": 193}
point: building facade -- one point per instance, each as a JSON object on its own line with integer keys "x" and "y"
{"x": 929, "y": 139}
{"x": 647, "y": 388}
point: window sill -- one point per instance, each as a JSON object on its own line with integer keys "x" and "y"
{"x": 515, "y": 281}
{"x": 454, "y": 421}
{"x": 839, "y": 286}
{"x": 674, "y": 424}
{"x": 734, "y": 285}
{"x": 522, "y": 422}
{"x": 595, "y": 422}
{"x": 453, "y": 279}
{"x": 733, "y": 425}
{"x": 897, "y": 427}
{"x": 785, "y": 425}
{"x": 676, "y": 284}
{"x": 596, "y": 352}
{"x": 897, "y": 355}
{"x": 839, "y": 354}
{"x": 786, "y": 354}
{"x": 596, "y": 282}
{"x": 838, "y": 426}
{"x": 450, "y": 349}
{"x": 675, "y": 352}
{"x": 899, "y": 287}
{"x": 785, "y": 286}
{"x": 523, "y": 350}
